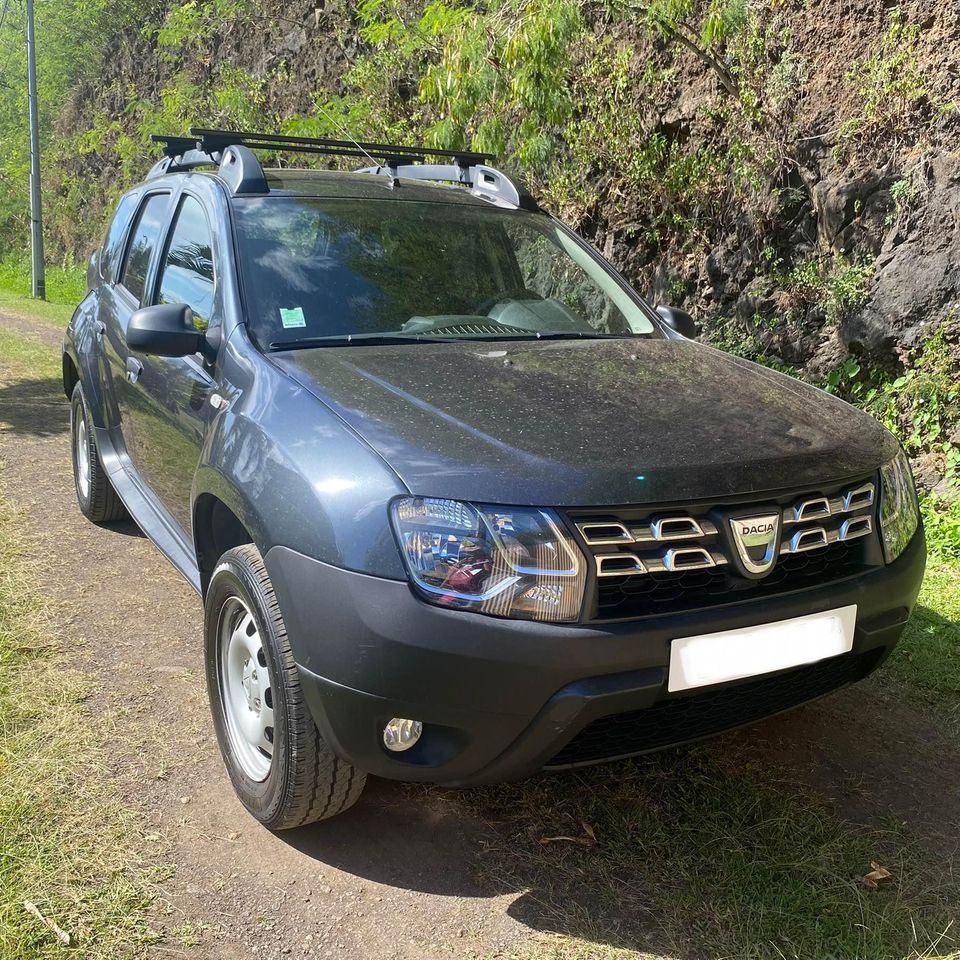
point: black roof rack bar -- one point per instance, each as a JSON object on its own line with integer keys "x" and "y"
{"x": 239, "y": 168}
{"x": 348, "y": 148}
{"x": 174, "y": 146}
{"x": 215, "y": 146}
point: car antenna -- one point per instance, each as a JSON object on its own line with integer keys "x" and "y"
{"x": 392, "y": 167}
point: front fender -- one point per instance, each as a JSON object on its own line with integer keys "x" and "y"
{"x": 295, "y": 475}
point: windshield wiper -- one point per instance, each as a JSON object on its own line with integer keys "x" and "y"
{"x": 389, "y": 339}
{"x": 358, "y": 340}
{"x": 566, "y": 335}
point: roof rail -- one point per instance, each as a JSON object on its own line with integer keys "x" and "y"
{"x": 230, "y": 151}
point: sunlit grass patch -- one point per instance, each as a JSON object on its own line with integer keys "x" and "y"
{"x": 26, "y": 358}
{"x": 65, "y": 287}
{"x": 17, "y": 305}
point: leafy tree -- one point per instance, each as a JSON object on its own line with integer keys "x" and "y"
{"x": 495, "y": 80}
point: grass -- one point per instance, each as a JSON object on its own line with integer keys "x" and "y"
{"x": 928, "y": 657}
{"x": 65, "y": 289}
{"x": 25, "y": 358}
{"x": 66, "y": 843}
{"x": 704, "y": 853}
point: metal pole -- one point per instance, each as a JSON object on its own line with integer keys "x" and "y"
{"x": 38, "y": 284}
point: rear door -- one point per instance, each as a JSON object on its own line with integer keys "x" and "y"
{"x": 109, "y": 264}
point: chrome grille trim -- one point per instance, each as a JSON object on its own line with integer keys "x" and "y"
{"x": 675, "y": 528}
{"x": 632, "y": 542}
{"x": 820, "y": 508}
{"x": 856, "y": 527}
{"x": 593, "y": 533}
{"x": 613, "y": 565}
{"x": 850, "y": 529}
{"x": 810, "y": 539}
{"x": 676, "y": 558}
{"x": 607, "y": 565}
{"x": 658, "y": 530}
{"x": 603, "y": 533}
{"x": 807, "y": 510}
{"x": 858, "y": 498}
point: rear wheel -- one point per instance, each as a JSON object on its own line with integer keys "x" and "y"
{"x": 95, "y": 494}
{"x": 283, "y": 771}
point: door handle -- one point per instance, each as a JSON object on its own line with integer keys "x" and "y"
{"x": 134, "y": 369}
{"x": 100, "y": 328}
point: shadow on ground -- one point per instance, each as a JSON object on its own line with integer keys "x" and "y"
{"x": 719, "y": 850}
{"x": 35, "y": 408}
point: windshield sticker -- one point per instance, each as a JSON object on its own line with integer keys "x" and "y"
{"x": 292, "y": 318}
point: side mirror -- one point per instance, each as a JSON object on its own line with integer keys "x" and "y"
{"x": 679, "y": 321}
{"x": 164, "y": 330}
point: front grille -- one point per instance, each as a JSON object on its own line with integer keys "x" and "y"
{"x": 681, "y": 718}
{"x": 678, "y": 558}
{"x": 659, "y": 593}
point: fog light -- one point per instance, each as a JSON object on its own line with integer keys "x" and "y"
{"x": 400, "y": 735}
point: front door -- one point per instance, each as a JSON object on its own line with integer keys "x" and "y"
{"x": 127, "y": 295}
{"x": 172, "y": 407}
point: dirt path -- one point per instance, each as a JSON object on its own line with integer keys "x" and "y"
{"x": 378, "y": 882}
{"x": 394, "y": 878}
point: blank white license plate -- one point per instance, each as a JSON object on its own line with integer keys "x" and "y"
{"x": 734, "y": 654}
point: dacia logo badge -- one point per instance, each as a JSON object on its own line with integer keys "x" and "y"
{"x": 757, "y": 540}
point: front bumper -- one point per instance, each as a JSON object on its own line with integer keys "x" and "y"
{"x": 499, "y": 699}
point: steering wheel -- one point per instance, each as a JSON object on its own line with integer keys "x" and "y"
{"x": 517, "y": 293}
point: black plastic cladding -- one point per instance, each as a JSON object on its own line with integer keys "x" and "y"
{"x": 681, "y": 719}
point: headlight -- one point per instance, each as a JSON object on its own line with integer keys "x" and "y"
{"x": 899, "y": 513}
{"x": 505, "y": 561}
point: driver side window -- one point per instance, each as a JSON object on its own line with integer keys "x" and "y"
{"x": 187, "y": 275}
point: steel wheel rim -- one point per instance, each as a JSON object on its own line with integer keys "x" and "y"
{"x": 82, "y": 455}
{"x": 245, "y": 689}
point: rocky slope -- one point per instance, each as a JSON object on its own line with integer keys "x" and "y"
{"x": 797, "y": 187}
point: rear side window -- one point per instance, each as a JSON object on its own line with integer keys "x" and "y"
{"x": 113, "y": 242}
{"x": 187, "y": 272}
{"x": 143, "y": 240}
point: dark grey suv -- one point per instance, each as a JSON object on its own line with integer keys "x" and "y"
{"x": 460, "y": 504}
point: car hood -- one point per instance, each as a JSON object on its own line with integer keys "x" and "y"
{"x": 588, "y": 422}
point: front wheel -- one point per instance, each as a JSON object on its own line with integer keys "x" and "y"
{"x": 283, "y": 771}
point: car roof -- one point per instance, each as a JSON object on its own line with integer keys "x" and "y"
{"x": 292, "y": 182}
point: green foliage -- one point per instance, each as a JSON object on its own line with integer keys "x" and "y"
{"x": 922, "y": 405}
{"x": 833, "y": 284}
{"x": 193, "y": 24}
{"x": 890, "y": 84}
{"x": 706, "y": 22}
{"x": 69, "y": 33}
{"x": 196, "y": 89}
{"x": 941, "y": 521}
{"x": 495, "y": 80}
{"x": 904, "y": 194}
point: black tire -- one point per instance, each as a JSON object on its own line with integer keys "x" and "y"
{"x": 306, "y": 781}
{"x": 99, "y": 501}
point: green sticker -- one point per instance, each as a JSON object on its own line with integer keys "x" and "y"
{"x": 292, "y": 318}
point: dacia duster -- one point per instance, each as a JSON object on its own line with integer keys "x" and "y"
{"x": 460, "y": 504}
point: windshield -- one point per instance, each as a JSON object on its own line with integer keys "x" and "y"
{"x": 318, "y": 270}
